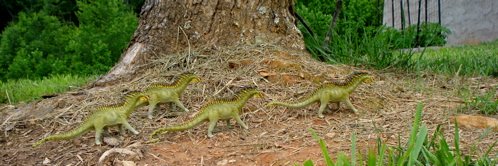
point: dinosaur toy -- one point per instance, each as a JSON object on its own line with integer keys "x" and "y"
{"x": 221, "y": 109}
{"x": 162, "y": 93}
{"x": 334, "y": 92}
{"x": 102, "y": 118}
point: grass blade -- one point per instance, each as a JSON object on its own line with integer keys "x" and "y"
{"x": 413, "y": 134}
{"x": 325, "y": 152}
{"x": 418, "y": 145}
{"x": 353, "y": 149}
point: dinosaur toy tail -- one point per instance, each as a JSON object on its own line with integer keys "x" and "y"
{"x": 301, "y": 104}
{"x": 67, "y": 135}
{"x": 184, "y": 126}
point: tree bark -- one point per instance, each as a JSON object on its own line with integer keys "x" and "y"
{"x": 169, "y": 26}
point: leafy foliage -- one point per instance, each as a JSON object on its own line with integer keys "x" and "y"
{"x": 39, "y": 44}
{"x": 360, "y": 38}
{"x": 29, "y": 46}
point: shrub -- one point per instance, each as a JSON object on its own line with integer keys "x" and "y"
{"x": 105, "y": 30}
{"x": 39, "y": 45}
{"x": 29, "y": 44}
{"x": 359, "y": 38}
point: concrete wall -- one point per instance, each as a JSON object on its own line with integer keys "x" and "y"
{"x": 470, "y": 21}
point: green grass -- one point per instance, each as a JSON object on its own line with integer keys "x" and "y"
{"x": 24, "y": 90}
{"x": 464, "y": 60}
{"x": 486, "y": 103}
{"x": 420, "y": 150}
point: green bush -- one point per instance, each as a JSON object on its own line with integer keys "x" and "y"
{"x": 38, "y": 44}
{"x": 98, "y": 43}
{"x": 29, "y": 45}
{"x": 359, "y": 38}
{"x": 431, "y": 34}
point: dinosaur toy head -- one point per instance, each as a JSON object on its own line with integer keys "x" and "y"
{"x": 192, "y": 77}
{"x": 259, "y": 94}
{"x": 368, "y": 79}
{"x": 252, "y": 91}
{"x": 142, "y": 100}
{"x": 196, "y": 80}
{"x": 137, "y": 97}
{"x": 364, "y": 77}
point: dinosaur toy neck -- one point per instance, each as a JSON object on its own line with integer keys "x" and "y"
{"x": 130, "y": 104}
{"x": 182, "y": 84}
{"x": 350, "y": 83}
{"x": 242, "y": 98}
{"x": 353, "y": 84}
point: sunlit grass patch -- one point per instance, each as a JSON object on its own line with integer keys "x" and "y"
{"x": 24, "y": 90}
{"x": 463, "y": 60}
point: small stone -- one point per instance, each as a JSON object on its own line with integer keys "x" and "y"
{"x": 231, "y": 161}
{"x": 222, "y": 162}
{"x": 128, "y": 163}
{"x": 46, "y": 161}
{"x": 330, "y": 135}
{"x": 113, "y": 141}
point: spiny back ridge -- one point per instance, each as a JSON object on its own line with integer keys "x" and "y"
{"x": 349, "y": 79}
{"x": 179, "y": 80}
{"x": 129, "y": 98}
{"x": 239, "y": 95}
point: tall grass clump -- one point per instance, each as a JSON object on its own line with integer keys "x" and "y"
{"x": 421, "y": 149}
{"x": 359, "y": 38}
{"x": 24, "y": 90}
{"x": 464, "y": 60}
{"x": 486, "y": 103}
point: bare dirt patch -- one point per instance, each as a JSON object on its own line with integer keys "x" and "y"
{"x": 276, "y": 136}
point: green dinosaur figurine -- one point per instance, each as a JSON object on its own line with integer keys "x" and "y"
{"x": 334, "y": 92}
{"x": 102, "y": 118}
{"x": 162, "y": 93}
{"x": 222, "y": 109}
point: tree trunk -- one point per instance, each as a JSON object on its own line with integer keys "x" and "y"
{"x": 169, "y": 26}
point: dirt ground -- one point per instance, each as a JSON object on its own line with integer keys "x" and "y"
{"x": 276, "y": 135}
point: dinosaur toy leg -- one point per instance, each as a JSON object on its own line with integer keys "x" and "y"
{"x": 323, "y": 105}
{"x": 240, "y": 122}
{"x": 128, "y": 126}
{"x": 122, "y": 129}
{"x": 348, "y": 103}
{"x": 179, "y": 104}
{"x": 228, "y": 124}
{"x": 98, "y": 134}
{"x": 212, "y": 124}
{"x": 152, "y": 106}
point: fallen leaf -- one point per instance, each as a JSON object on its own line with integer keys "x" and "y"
{"x": 476, "y": 122}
